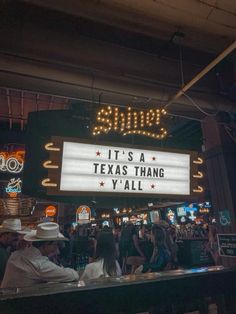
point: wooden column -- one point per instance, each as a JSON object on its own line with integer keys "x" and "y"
{"x": 220, "y": 157}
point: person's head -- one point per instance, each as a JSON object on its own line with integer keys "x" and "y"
{"x": 158, "y": 236}
{"x": 9, "y": 239}
{"x": 21, "y": 244}
{"x": 46, "y": 248}
{"x": 128, "y": 229}
{"x": 9, "y": 231}
{"x": 45, "y": 238}
{"x": 106, "y": 250}
{"x": 82, "y": 231}
{"x": 106, "y": 228}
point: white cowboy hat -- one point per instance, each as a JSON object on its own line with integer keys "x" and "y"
{"x": 12, "y": 225}
{"x": 46, "y": 231}
{"x": 25, "y": 230}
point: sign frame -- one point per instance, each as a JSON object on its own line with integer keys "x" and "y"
{"x": 78, "y": 212}
{"x": 218, "y": 241}
{"x": 56, "y": 157}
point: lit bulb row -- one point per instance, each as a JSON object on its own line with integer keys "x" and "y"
{"x": 199, "y": 189}
{"x": 146, "y": 133}
{"x": 124, "y": 210}
{"x": 118, "y": 115}
{"x": 105, "y": 216}
{"x": 115, "y": 120}
{"x": 199, "y": 175}
{"x": 101, "y": 129}
{"x": 106, "y": 111}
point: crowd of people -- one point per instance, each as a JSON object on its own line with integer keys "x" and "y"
{"x": 29, "y": 257}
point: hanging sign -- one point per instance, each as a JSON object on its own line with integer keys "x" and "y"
{"x": 75, "y": 167}
{"x": 130, "y": 121}
{"x": 227, "y": 244}
{"x": 50, "y": 211}
{"x": 87, "y": 167}
{"x": 83, "y": 214}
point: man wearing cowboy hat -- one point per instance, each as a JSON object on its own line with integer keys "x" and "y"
{"x": 31, "y": 266}
{"x": 9, "y": 231}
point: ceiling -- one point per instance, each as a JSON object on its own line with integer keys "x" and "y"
{"x": 15, "y": 106}
{"x": 207, "y": 25}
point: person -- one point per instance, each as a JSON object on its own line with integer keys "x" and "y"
{"x": 130, "y": 251}
{"x": 212, "y": 246}
{"x": 106, "y": 263}
{"x": 31, "y": 266}
{"x": 9, "y": 231}
{"x": 81, "y": 247}
{"x": 161, "y": 256}
{"x": 66, "y": 249}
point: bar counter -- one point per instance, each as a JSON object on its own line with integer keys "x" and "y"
{"x": 166, "y": 292}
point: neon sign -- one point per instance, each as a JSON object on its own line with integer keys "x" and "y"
{"x": 50, "y": 211}
{"x": 12, "y": 162}
{"x": 129, "y": 121}
{"x": 13, "y": 187}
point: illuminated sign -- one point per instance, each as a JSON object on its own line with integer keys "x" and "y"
{"x": 171, "y": 216}
{"x": 154, "y": 216}
{"x": 227, "y": 244}
{"x": 13, "y": 187}
{"x": 190, "y": 208}
{"x": 12, "y": 162}
{"x": 50, "y": 211}
{"x": 83, "y": 214}
{"x": 81, "y": 168}
{"x": 87, "y": 167}
{"x": 130, "y": 121}
{"x": 204, "y": 210}
{"x": 181, "y": 211}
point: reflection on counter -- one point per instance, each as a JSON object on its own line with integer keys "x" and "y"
{"x": 50, "y": 288}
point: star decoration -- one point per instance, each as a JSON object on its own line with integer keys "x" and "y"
{"x": 152, "y": 186}
{"x": 101, "y": 183}
{"x": 153, "y": 158}
{"x": 98, "y": 153}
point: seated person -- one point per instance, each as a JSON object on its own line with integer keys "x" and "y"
{"x": 106, "y": 263}
{"x": 130, "y": 250}
{"x": 10, "y": 232}
{"x": 161, "y": 256}
{"x": 31, "y": 265}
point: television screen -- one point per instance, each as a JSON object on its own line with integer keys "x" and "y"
{"x": 191, "y": 207}
{"x": 181, "y": 211}
{"x": 154, "y": 216}
{"x": 170, "y": 215}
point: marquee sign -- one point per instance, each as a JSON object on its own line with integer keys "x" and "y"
{"x": 86, "y": 168}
